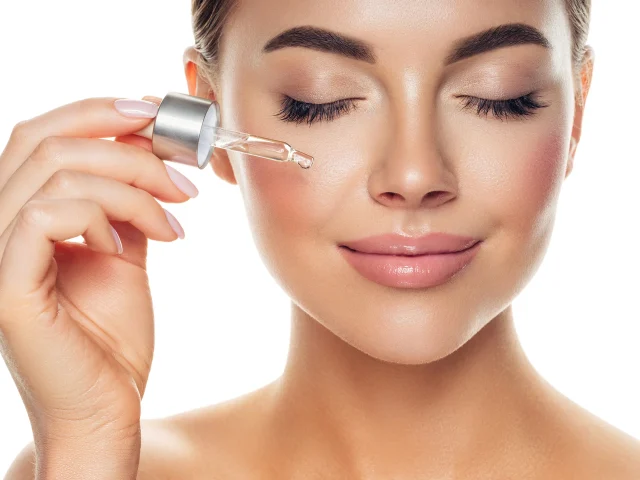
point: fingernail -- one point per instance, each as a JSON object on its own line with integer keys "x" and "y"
{"x": 116, "y": 237}
{"x": 182, "y": 182}
{"x": 136, "y": 108}
{"x": 174, "y": 224}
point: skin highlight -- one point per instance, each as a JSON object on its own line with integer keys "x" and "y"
{"x": 400, "y": 383}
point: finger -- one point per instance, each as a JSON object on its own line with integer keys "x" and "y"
{"x": 92, "y": 117}
{"x": 29, "y": 250}
{"x": 138, "y": 140}
{"x": 122, "y": 162}
{"x": 135, "y": 140}
{"x": 156, "y": 100}
{"x": 119, "y": 201}
{"x": 39, "y": 335}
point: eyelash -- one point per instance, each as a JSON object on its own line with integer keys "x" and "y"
{"x": 300, "y": 112}
{"x": 515, "y": 108}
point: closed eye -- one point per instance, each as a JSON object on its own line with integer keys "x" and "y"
{"x": 299, "y": 112}
{"x": 515, "y": 108}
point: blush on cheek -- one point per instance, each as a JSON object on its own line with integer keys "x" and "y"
{"x": 275, "y": 193}
{"x": 307, "y": 198}
{"x": 545, "y": 167}
{"x": 539, "y": 181}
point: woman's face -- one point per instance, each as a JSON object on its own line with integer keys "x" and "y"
{"x": 407, "y": 158}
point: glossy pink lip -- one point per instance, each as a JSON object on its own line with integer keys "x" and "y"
{"x": 392, "y": 244}
{"x": 411, "y": 268}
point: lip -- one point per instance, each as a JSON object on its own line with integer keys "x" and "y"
{"x": 393, "y": 244}
{"x": 409, "y": 262}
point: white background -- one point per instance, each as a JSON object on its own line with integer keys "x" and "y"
{"x": 222, "y": 322}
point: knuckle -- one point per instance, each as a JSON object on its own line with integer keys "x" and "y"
{"x": 90, "y": 209}
{"x": 95, "y": 208}
{"x": 33, "y": 214}
{"x": 61, "y": 180}
{"x": 19, "y": 131}
{"x": 49, "y": 150}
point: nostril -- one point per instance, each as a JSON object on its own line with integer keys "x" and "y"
{"x": 437, "y": 193}
{"x": 392, "y": 196}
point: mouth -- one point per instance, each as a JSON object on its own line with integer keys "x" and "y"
{"x": 421, "y": 263}
{"x": 411, "y": 254}
{"x": 400, "y": 245}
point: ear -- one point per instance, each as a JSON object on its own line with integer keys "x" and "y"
{"x": 199, "y": 87}
{"x": 586, "y": 74}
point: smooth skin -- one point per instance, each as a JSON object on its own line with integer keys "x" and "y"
{"x": 79, "y": 360}
{"x": 380, "y": 383}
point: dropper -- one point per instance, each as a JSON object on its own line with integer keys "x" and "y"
{"x": 185, "y": 130}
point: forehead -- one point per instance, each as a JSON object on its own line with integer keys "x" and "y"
{"x": 398, "y": 30}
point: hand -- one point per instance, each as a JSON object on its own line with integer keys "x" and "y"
{"x": 76, "y": 320}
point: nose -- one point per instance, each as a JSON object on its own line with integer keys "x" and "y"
{"x": 411, "y": 173}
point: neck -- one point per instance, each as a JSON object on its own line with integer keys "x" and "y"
{"x": 356, "y": 414}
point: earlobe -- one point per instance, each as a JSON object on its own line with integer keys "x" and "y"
{"x": 221, "y": 165}
{"x": 572, "y": 147}
{"x": 572, "y": 152}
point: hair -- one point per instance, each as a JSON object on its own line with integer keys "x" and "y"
{"x": 210, "y": 16}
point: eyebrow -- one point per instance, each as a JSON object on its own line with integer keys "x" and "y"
{"x": 324, "y": 40}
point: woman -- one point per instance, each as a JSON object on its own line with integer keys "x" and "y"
{"x": 435, "y": 117}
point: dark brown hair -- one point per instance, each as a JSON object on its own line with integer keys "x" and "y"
{"x": 210, "y": 16}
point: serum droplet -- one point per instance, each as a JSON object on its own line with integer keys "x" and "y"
{"x": 302, "y": 159}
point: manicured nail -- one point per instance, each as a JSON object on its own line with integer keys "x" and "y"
{"x": 182, "y": 182}
{"x": 116, "y": 237}
{"x": 174, "y": 224}
{"x": 136, "y": 108}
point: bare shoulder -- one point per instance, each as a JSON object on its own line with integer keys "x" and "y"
{"x": 212, "y": 442}
{"x": 165, "y": 452}
{"x": 620, "y": 453}
{"x": 598, "y": 450}
{"x": 231, "y": 440}
{"x": 228, "y": 439}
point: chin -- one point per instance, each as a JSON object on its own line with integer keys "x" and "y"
{"x": 410, "y": 341}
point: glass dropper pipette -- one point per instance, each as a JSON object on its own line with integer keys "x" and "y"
{"x": 257, "y": 146}
{"x": 186, "y": 130}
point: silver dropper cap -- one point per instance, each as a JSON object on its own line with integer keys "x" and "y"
{"x": 179, "y": 132}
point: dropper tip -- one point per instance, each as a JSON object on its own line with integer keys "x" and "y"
{"x": 302, "y": 159}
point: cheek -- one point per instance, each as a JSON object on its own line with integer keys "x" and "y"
{"x": 517, "y": 180}
{"x": 543, "y": 173}
{"x": 284, "y": 200}
{"x": 298, "y": 216}
{"x": 290, "y": 209}
{"x": 276, "y": 195}
{"x": 535, "y": 184}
